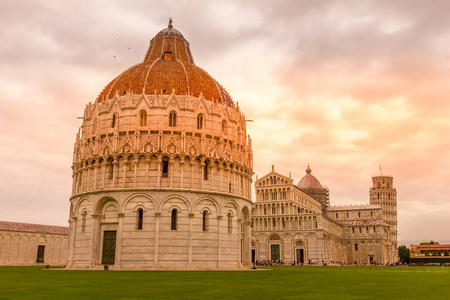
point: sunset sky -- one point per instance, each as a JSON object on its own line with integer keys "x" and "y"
{"x": 345, "y": 86}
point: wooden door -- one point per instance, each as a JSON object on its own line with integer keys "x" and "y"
{"x": 109, "y": 247}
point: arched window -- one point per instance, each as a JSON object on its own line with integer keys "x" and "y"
{"x": 205, "y": 220}
{"x": 265, "y": 211}
{"x": 94, "y": 127}
{"x": 143, "y": 118}
{"x": 359, "y": 215}
{"x": 374, "y": 229}
{"x": 274, "y": 224}
{"x": 371, "y": 213}
{"x": 114, "y": 121}
{"x": 224, "y": 127}
{"x": 165, "y": 167}
{"x": 83, "y": 222}
{"x": 356, "y": 246}
{"x": 205, "y": 170}
{"x": 229, "y": 187}
{"x": 110, "y": 168}
{"x": 230, "y": 223}
{"x": 200, "y": 121}
{"x": 173, "y": 221}
{"x": 140, "y": 218}
{"x": 173, "y": 119}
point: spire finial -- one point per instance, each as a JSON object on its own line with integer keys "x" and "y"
{"x": 273, "y": 168}
{"x": 170, "y": 23}
{"x": 381, "y": 173}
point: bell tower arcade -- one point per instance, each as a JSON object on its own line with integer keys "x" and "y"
{"x": 384, "y": 194}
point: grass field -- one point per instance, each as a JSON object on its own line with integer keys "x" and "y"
{"x": 268, "y": 283}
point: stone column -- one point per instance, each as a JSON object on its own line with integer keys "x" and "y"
{"x": 119, "y": 240}
{"x": 96, "y": 174}
{"x": 155, "y": 256}
{"x": 158, "y": 177}
{"x": 219, "y": 240}
{"x": 182, "y": 172}
{"x": 147, "y": 166}
{"x": 171, "y": 162}
{"x": 104, "y": 174}
{"x": 95, "y": 241}
{"x": 191, "y": 225}
{"x": 124, "y": 172}
{"x": 135, "y": 172}
{"x": 115, "y": 172}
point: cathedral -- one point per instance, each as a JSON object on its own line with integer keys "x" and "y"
{"x": 295, "y": 224}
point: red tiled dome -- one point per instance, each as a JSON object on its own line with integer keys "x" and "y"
{"x": 309, "y": 181}
{"x": 168, "y": 66}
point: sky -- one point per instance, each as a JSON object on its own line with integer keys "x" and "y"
{"x": 344, "y": 86}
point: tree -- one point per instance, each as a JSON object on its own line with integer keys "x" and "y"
{"x": 446, "y": 253}
{"x": 403, "y": 254}
{"x": 427, "y": 253}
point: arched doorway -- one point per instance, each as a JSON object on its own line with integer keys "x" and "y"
{"x": 299, "y": 252}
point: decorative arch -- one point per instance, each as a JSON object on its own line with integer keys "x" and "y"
{"x": 184, "y": 200}
{"x": 129, "y": 199}
{"x": 197, "y": 203}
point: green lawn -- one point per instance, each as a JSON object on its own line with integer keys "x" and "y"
{"x": 267, "y": 283}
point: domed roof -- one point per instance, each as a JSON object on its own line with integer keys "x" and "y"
{"x": 309, "y": 181}
{"x": 168, "y": 67}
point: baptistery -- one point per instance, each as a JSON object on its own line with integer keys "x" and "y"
{"x": 162, "y": 170}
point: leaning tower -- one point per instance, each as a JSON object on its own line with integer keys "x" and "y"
{"x": 162, "y": 169}
{"x": 384, "y": 194}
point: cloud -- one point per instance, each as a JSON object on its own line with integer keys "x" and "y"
{"x": 342, "y": 85}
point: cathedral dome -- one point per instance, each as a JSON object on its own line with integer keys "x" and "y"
{"x": 168, "y": 68}
{"x": 309, "y": 181}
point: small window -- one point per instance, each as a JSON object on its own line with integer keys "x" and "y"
{"x": 353, "y": 229}
{"x": 298, "y": 209}
{"x": 114, "y": 121}
{"x": 367, "y": 229}
{"x": 360, "y": 230}
{"x": 205, "y": 221}
{"x": 140, "y": 218}
{"x": 224, "y": 127}
{"x": 359, "y": 215}
{"x": 230, "y": 223}
{"x": 143, "y": 118}
{"x": 229, "y": 187}
{"x": 374, "y": 230}
{"x": 274, "y": 224}
{"x": 347, "y": 215}
{"x": 284, "y": 224}
{"x": 205, "y": 170}
{"x": 173, "y": 221}
{"x": 168, "y": 55}
{"x": 94, "y": 127}
{"x": 274, "y": 210}
{"x": 110, "y": 168}
{"x": 173, "y": 119}
{"x": 356, "y": 246}
{"x": 200, "y": 121}
{"x": 299, "y": 223}
{"x": 371, "y": 213}
{"x": 282, "y": 209}
{"x": 40, "y": 254}
{"x": 83, "y": 222}
{"x": 165, "y": 168}
{"x": 265, "y": 211}
{"x": 337, "y": 215}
